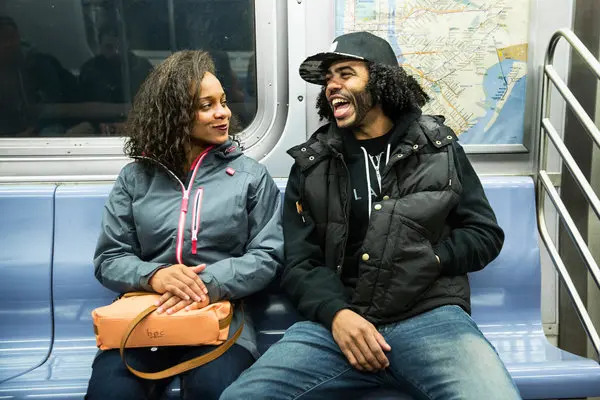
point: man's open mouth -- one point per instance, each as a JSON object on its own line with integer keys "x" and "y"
{"x": 341, "y": 107}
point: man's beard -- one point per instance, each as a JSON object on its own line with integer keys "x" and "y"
{"x": 363, "y": 102}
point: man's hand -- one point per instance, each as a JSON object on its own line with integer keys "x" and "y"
{"x": 181, "y": 281}
{"x": 360, "y": 341}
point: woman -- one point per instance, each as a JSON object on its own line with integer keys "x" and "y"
{"x": 227, "y": 245}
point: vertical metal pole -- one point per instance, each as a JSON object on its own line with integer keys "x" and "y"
{"x": 582, "y": 82}
{"x": 172, "y": 35}
{"x": 124, "y": 45}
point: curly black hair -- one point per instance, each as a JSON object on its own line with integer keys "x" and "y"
{"x": 389, "y": 86}
{"x": 162, "y": 117}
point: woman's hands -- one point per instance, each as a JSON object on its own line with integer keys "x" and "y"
{"x": 172, "y": 304}
{"x": 181, "y": 287}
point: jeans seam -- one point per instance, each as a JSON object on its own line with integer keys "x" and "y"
{"x": 322, "y": 383}
{"x": 413, "y": 383}
{"x": 409, "y": 381}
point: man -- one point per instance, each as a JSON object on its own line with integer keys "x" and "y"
{"x": 383, "y": 218}
{"x": 101, "y": 78}
{"x": 29, "y": 79}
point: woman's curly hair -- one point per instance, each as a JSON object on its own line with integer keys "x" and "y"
{"x": 162, "y": 117}
{"x": 389, "y": 86}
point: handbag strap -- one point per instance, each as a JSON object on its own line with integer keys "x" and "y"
{"x": 186, "y": 365}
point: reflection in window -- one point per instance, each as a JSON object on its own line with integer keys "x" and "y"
{"x": 52, "y": 84}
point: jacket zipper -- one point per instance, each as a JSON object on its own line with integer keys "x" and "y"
{"x": 185, "y": 198}
{"x": 340, "y": 266}
{"x": 368, "y": 176}
{"x": 184, "y": 205}
{"x": 196, "y": 219}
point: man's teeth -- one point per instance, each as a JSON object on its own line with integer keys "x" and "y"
{"x": 335, "y": 102}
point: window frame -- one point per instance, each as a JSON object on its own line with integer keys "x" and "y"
{"x": 59, "y": 159}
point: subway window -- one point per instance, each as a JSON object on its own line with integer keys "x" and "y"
{"x": 71, "y": 68}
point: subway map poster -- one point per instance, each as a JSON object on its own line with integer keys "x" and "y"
{"x": 469, "y": 56}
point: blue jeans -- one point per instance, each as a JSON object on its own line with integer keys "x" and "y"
{"x": 440, "y": 354}
{"x": 111, "y": 380}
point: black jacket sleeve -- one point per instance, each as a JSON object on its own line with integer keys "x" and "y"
{"x": 475, "y": 239}
{"x": 315, "y": 289}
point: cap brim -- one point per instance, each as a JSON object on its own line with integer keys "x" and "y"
{"x": 313, "y": 69}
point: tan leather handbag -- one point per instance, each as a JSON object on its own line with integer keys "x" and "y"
{"x": 131, "y": 322}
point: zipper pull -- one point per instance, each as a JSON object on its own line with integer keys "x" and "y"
{"x": 184, "y": 204}
{"x": 194, "y": 241}
{"x": 196, "y": 209}
{"x": 300, "y": 211}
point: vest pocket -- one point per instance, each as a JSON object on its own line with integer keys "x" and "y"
{"x": 414, "y": 269}
{"x": 404, "y": 269}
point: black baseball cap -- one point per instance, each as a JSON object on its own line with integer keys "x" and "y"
{"x": 362, "y": 46}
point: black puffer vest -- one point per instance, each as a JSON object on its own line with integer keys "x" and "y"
{"x": 399, "y": 275}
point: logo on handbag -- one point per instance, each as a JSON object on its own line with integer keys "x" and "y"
{"x": 155, "y": 334}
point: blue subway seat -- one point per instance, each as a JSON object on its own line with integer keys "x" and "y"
{"x": 505, "y": 297}
{"x": 26, "y": 229}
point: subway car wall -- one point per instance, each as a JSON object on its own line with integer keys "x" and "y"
{"x": 69, "y": 70}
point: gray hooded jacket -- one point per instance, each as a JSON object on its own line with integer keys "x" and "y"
{"x": 227, "y": 216}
